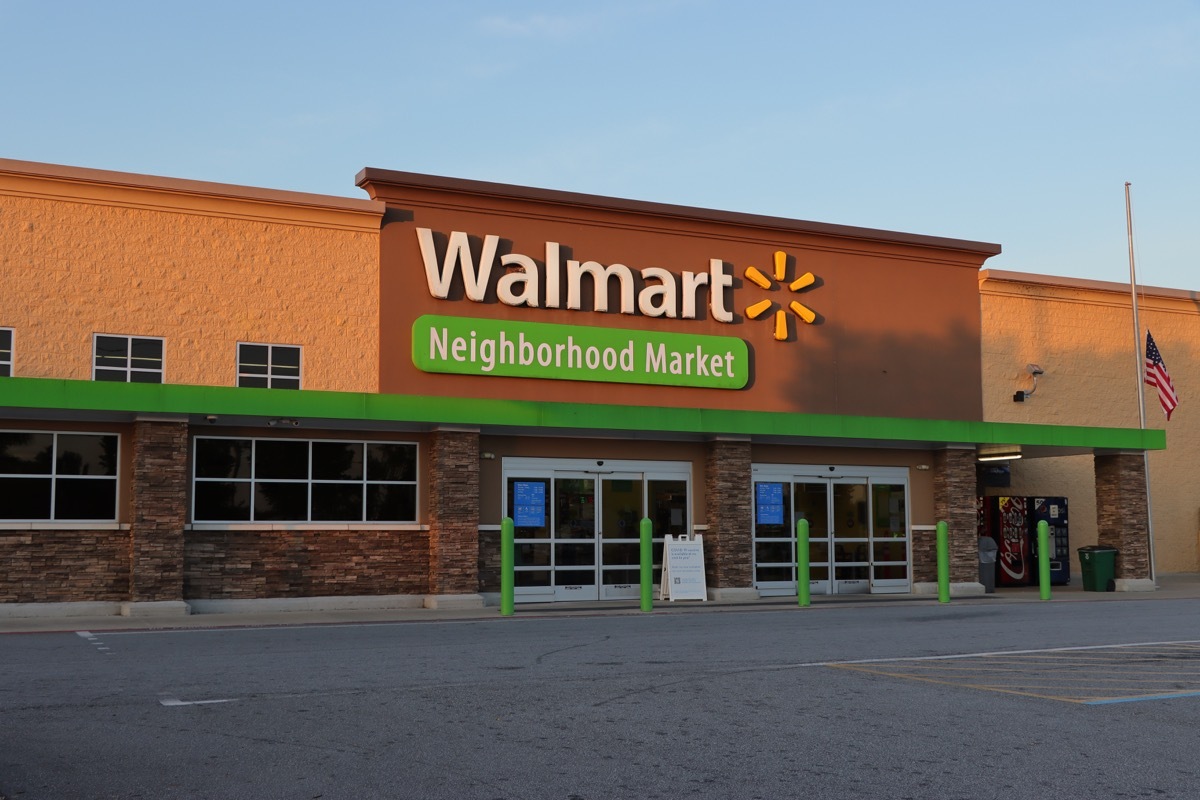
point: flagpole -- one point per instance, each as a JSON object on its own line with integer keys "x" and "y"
{"x": 1139, "y": 359}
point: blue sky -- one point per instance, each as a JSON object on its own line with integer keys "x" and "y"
{"x": 1016, "y": 123}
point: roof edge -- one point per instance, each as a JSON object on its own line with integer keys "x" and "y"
{"x": 373, "y": 178}
{"x": 1089, "y": 284}
{"x": 31, "y": 178}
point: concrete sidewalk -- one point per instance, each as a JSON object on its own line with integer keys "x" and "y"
{"x": 1182, "y": 586}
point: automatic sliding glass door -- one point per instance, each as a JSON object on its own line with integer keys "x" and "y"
{"x": 574, "y": 537}
{"x": 858, "y": 530}
{"x": 578, "y": 532}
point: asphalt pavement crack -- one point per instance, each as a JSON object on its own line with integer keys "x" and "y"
{"x": 539, "y": 659}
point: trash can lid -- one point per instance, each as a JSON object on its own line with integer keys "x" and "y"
{"x": 1097, "y": 548}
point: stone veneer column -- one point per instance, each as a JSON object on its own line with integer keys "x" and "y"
{"x": 728, "y": 547}
{"x": 158, "y": 495}
{"x": 452, "y": 474}
{"x": 1122, "y": 517}
{"x": 954, "y": 503}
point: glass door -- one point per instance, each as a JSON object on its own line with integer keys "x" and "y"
{"x": 889, "y": 538}
{"x": 574, "y": 537}
{"x": 851, "y": 536}
{"x": 812, "y": 504}
{"x": 622, "y": 504}
{"x": 857, "y": 527}
{"x": 578, "y": 532}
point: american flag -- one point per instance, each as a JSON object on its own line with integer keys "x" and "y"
{"x": 1158, "y": 377}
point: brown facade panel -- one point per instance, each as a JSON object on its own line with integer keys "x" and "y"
{"x": 866, "y": 340}
{"x": 61, "y": 566}
{"x": 258, "y": 564}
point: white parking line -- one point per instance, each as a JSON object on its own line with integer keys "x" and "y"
{"x": 172, "y": 701}
{"x": 989, "y": 653}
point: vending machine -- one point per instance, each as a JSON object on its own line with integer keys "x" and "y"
{"x": 1012, "y": 522}
{"x": 1006, "y": 520}
{"x": 1052, "y": 511}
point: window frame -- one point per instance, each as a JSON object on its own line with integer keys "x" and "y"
{"x": 6, "y": 353}
{"x": 271, "y": 375}
{"x": 54, "y": 477}
{"x": 129, "y": 369}
{"x": 309, "y": 481}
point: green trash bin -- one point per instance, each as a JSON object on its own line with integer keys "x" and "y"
{"x": 1099, "y": 567}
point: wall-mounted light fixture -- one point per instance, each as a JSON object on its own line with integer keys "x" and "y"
{"x": 1034, "y": 370}
{"x": 486, "y": 456}
{"x": 997, "y": 452}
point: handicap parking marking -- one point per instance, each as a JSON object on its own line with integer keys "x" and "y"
{"x": 1093, "y": 675}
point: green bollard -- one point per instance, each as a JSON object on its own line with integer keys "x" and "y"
{"x": 647, "y": 564}
{"x": 943, "y": 562}
{"x": 507, "y": 567}
{"x": 802, "y": 565}
{"x": 1043, "y": 534}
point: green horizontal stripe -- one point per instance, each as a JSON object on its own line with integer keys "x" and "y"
{"x": 135, "y": 398}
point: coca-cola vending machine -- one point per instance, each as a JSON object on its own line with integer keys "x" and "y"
{"x": 1006, "y": 519}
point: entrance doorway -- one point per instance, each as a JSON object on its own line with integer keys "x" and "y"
{"x": 858, "y": 528}
{"x": 578, "y": 523}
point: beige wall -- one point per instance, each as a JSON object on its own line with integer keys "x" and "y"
{"x": 1081, "y": 333}
{"x": 202, "y": 265}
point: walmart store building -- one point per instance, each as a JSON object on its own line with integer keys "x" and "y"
{"x": 217, "y": 394}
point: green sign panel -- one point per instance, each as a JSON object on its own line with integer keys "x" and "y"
{"x": 468, "y": 346}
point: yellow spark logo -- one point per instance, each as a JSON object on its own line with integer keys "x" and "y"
{"x": 759, "y": 309}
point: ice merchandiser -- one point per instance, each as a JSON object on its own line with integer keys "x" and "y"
{"x": 1052, "y": 511}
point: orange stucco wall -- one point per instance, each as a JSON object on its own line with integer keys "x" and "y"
{"x": 1081, "y": 334}
{"x": 203, "y": 266}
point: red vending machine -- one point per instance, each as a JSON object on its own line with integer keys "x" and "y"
{"x": 1006, "y": 519}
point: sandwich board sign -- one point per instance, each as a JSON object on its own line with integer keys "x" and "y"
{"x": 683, "y": 569}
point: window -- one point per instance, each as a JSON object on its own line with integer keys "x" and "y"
{"x": 128, "y": 359}
{"x": 48, "y": 476}
{"x": 269, "y": 366}
{"x": 6, "y": 352}
{"x": 296, "y": 480}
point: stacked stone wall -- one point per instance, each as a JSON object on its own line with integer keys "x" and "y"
{"x": 453, "y": 499}
{"x": 728, "y": 544}
{"x": 1121, "y": 512}
{"x": 257, "y": 564}
{"x": 64, "y": 566}
{"x": 159, "y": 513}
{"x": 953, "y": 503}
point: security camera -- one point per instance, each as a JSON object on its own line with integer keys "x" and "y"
{"x": 1035, "y": 370}
{"x": 599, "y": 463}
{"x": 211, "y": 418}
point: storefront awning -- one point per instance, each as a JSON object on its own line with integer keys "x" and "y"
{"x": 53, "y": 399}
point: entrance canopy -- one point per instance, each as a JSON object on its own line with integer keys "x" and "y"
{"x": 40, "y": 398}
